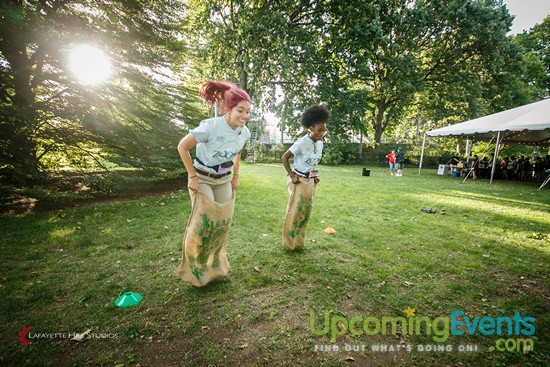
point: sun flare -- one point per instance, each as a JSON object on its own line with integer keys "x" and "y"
{"x": 89, "y": 64}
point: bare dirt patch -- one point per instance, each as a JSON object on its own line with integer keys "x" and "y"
{"x": 20, "y": 205}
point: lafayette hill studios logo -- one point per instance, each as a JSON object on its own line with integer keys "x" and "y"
{"x": 26, "y": 337}
{"x": 23, "y": 336}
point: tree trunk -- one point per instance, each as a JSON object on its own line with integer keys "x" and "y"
{"x": 18, "y": 151}
{"x": 20, "y": 165}
{"x": 379, "y": 123}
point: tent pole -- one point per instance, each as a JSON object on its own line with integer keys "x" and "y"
{"x": 468, "y": 149}
{"x": 422, "y": 154}
{"x": 495, "y": 157}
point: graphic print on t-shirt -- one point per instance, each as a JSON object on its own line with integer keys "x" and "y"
{"x": 311, "y": 159}
{"x": 227, "y": 151}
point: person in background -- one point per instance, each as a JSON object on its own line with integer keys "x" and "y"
{"x": 512, "y": 166}
{"x": 391, "y": 161}
{"x": 539, "y": 169}
{"x": 454, "y": 160}
{"x": 399, "y": 161}
{"x": 526, "y": 170}
{"x": 303, "y": 179}
{"x": 461, "y": 168}
{"x": 456, "y": 164}
{"x": 504, "y": 168}
{"x": 474, "y": 166}
{"x": 519, "y": 168}
{"x": 483, "y": 167}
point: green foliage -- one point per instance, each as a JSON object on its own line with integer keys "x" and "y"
{"x": 109, "y": 183}
{"x": 535, "y": 46}
{"x": 332, "y": 156}
{"x": 339, "y": 152}
{"x": 376, "y": 64}
{"x": 484, "y": 149}
{"x": 391, "y": 52}
{"x": 269, "y": 153}
{"x": 47, "y": 119}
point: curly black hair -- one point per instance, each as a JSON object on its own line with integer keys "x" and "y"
{"x": 316, "y": 114}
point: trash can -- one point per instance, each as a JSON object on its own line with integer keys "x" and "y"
{"x": 366, "y": 172}
{"x": 442, "y": 169}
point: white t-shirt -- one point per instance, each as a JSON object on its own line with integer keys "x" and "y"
{"x": 307, "y": 154}
{"x": 217, "y": 142}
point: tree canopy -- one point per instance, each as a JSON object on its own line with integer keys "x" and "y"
{"x": 381, "y": 66}
{"x": 48, "y": 117}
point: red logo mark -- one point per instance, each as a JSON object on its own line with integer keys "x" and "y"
{"x": 23, "y": 336}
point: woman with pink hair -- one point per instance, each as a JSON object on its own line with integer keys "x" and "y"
{"x": 218, "y": 142}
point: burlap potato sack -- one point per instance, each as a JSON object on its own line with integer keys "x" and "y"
{"x": 204, "y": 255}
{"x": 298, "y": 210}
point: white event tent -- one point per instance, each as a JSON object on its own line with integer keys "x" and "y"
{"x": 529, "y": 124}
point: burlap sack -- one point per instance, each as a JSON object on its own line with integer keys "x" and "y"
{"x": 298, "y": 210}
{"x": 204, "y": 255}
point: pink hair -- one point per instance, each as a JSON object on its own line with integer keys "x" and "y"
{"x": 214, "y": 92}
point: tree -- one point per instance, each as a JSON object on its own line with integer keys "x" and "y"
{"x": 518, "y": 76}
{"x": 44, "y": 112}
{"x": 391, "y": 51}
{"x": 535, "y": 45}
{"x": 259, "y": 45}
{"x": 370, "y": 61}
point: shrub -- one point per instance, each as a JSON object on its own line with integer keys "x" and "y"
{"x": 110, "y": 183}
{"x": 338, "y": 152}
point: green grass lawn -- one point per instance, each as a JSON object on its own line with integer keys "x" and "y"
{"x": 488, "y": 257}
